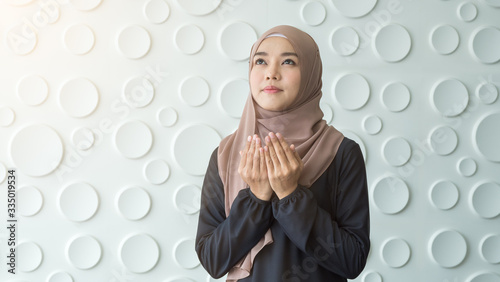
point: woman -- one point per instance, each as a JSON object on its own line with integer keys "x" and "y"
{"x": 285, "y": 196}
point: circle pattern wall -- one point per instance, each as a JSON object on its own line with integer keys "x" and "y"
{"x": 109, "y": 110}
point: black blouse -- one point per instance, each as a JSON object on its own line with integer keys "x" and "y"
{"x": 320, "y": 233}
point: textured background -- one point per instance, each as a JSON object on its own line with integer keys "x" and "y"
{"x": 110, "y": 109}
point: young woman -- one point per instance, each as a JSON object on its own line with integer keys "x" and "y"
{"x": 285, "y": 196}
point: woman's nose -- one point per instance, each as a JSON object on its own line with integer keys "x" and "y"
{"x": 272, "y": 72}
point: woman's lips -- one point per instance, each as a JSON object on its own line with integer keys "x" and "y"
{"x": 271, "y": 89}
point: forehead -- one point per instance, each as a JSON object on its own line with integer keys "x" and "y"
{"x": 280, "y": 44}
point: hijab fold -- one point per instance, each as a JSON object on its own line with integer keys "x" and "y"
{"x": 301, "y": 124}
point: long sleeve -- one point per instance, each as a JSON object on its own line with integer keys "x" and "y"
{"x": 221, "y": 242}
{"x": 336, "y": 239}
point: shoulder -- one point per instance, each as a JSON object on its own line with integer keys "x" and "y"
{"x": 348, "y": 148}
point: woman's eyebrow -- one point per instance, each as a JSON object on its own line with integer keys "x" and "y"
{"x": 284, "y": 54}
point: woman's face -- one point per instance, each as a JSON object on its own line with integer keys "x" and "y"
{"x": 275, "y": 75}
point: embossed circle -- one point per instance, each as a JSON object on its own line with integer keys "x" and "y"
{"x": 139, "y": 253}
{"x": 396, "y": 96}
{"x": 485, "y": 277}
{"x": 78, "y": 97}
{"x": 445, "y": 39}
{"x": 352, "y": 91}
{"x": 392, "y": 43}
{"x": 187, "y": 199}
{"x": 156, "y": 11}
{"x": 36, "y": 150}
{"x": 467, "y": 11}
{"x": 133, "y": 139}
{"x": 29, "y": 256}
{"x": 487, "y": 93}
{"x": 20, "y": 41}
{"x": 233, "y": 97}
{"x": 467, "y": 167}
{"x": 138, "y": 92}
{"x": 30, "y": 200}
{"x": 60, "y": 277}
{"x": 390, "y": 194}
{"x": 85, "y": 5}
{"x": 156, "y": 171}
{"x": 313, "y": 13}
{"x": 79, "y": 39}
{"x": 372, "y": 124}
{"x": 235, "y": 40}
{"x": 7, "y": 116}
{"x": 355, "y": 8}
{"x": 447, "y": 248}
{"x": 397, "y": 151}
{"x": 32, "y": 90}
{"x": 395, "y": 252}
{"x": 200, "y": 7}
{"x": 185, "y": 255}
{"x": 485, "y": 199}
{"x": 193, "y": 146}
{"x": 133, "y": 203}
{"x": 83, "y": 138}
{"x": 450, "y": 97}
{"x": 194, "y": 91}
{"x": 490, "y": 248}
{"x": 443, "y": 140}
{"x": 372, "y": 277}
{"x": 483, "y": 44}
{"x": 78, "y": 201}
{"x": 167, "y": 116}
{"x": 345, "y": 41}
{"x": 133, "y": 42}
{"x": 189, "y": 39}
{"x": 444, "y": 195}
{"x": 487, "y": 137}
{"x": 84, "y": 252}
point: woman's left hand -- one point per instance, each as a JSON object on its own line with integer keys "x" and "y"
{"x": 284, "y": 165}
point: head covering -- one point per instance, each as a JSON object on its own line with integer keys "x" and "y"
{"x": 301, "y": 124}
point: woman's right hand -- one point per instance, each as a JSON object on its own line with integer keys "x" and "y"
{"x": 253, "y": 170}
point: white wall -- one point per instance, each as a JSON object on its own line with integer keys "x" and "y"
{"x": 109, "y": 111}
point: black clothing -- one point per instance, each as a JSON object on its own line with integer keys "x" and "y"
{"x": 320, "y": 233}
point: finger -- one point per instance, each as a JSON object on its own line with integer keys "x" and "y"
{"x": 243, "y": 153}
{"x": 278, "y": 149}
{"x": 250, "y": 153}
{"x": 271, "y": 153}
{"x": 262, "y": 161}
{"x": 288, "y": 152}
{"x": 256, "y": 154}
{"x": 268, "y": 159}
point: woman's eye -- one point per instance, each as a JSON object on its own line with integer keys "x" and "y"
{"x": 259, "y": 62}
{"x": 289, "y": 62}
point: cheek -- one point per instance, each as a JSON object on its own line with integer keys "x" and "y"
{"x": 254, "y": 81}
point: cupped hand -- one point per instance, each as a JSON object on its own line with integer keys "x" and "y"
{"x": 284, "y": 165}
{"x": 252, "y": 169}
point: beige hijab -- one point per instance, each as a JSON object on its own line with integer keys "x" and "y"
{"x": 302, "y": 125}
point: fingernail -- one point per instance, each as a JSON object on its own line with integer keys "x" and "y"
{"x": 267, "y": 139}
{"x": 272, "y": 135}
{"x": 249, "y": 138}
{"x": 278, "y": 135}
{"x": 265, "y": 148}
